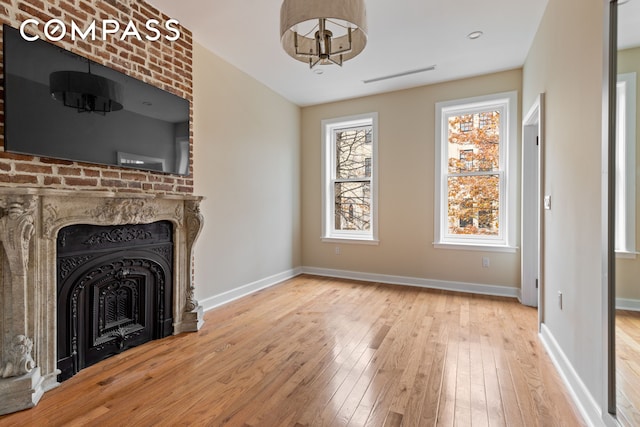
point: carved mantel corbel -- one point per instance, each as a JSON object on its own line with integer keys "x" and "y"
{"x": 194, "y": 223}
{"x": 19, "y": 360}
{"x": 16, "y": 230}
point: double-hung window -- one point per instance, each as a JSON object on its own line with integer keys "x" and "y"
{"x": 475, "y": 191}
{"x": 349, "y": 154}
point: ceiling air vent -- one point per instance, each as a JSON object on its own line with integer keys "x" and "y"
{"x": 404, "y": 73}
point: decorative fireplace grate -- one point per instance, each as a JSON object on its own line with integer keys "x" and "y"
{"x": 114, "y": 290}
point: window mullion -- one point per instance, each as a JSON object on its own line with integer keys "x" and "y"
{"x": 339, "y": 180}
{"x": 479, "y": 173}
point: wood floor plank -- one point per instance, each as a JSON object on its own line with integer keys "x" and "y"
{"x": 316, "y": 351}
{"x": 412, "y": 408}
{"x": 393, "y": 420}
{"x": 478, "y": 397}
{"x": 494, "y": 401}
{"x": 432, "y": 397}
{"x": 447, "y": 398}
{"x": 628, "y": 367}
{"x": 412, "y": 380}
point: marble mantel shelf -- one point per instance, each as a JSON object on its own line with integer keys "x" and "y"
{"x": 30, "y": 219}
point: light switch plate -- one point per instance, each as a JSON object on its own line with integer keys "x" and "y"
{"x": 547, "y": 202}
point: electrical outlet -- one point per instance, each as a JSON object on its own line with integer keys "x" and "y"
{"x": 338, "y": 250}
{"x": 486, "y": 262}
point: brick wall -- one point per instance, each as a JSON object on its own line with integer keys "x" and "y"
{"x": 163, "y": 63}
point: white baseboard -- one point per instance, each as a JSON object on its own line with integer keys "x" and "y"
{"x": 242, "y": 291}
{"x": 503, "y": 291}
{"x": 627, "y": 304}
{"x": 581, "y": 396}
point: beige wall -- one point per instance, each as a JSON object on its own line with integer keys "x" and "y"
{"x": 628, "y": 270}
{"x": 246, "y": 162}
{"x": 406, "y": 188}
{"x": 566, "y": 62}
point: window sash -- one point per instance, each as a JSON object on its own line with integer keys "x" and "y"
{"x": 357, "y": 200}
{"x": 478, "y": 238}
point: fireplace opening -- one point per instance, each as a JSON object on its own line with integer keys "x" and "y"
{"x": 114, "y": 290}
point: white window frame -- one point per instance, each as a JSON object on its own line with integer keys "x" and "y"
{"x": 506, "y": 103}
{"x": 329, "y": 233}
{"x": 625, "y": 235}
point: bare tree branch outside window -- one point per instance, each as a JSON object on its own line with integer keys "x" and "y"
{"x": 352, "y": 183}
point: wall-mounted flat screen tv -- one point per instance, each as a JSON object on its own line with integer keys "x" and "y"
{"x": 61, "y": 105}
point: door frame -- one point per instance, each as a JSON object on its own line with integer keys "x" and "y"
{"x": 532, "y": 233}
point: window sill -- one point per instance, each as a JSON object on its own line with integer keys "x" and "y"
{"x": 626, "y": 255}
{"x": 354, "y": 240}
{"x": 475, "y": 247}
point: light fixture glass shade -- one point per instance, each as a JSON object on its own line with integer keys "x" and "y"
{"x": 323, "y": 31}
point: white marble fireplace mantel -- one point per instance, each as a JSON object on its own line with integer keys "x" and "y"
{"x": 30, "y": 219}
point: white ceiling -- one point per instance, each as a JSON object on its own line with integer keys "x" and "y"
{"x": 404, "y": 35}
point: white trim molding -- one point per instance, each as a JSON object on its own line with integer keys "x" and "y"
{"x": 472, "y": 288}
{"x": 328, "y": 158}
{"x": 250, "y": 288}
{"x": 585, "y": 402}
{"x": 245, "y": 290}
{"x": 627, "y": 304}
{"x": 531, "y": 209}
{"x": 472, "y": 247}
{"x": 507, "y": 104}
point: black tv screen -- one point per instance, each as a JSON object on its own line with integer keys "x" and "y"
{"x": 61, "y": 105}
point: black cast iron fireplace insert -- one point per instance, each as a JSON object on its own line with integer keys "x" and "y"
{"x": 114, "y": 290}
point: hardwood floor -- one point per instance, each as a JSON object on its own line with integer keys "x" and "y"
{"x": 325, "y": 352}
{"x": 628, "y": 367}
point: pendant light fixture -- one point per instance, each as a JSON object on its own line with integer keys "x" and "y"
{"x": 323, "y": 31}
{"x": 85, "y": 92}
